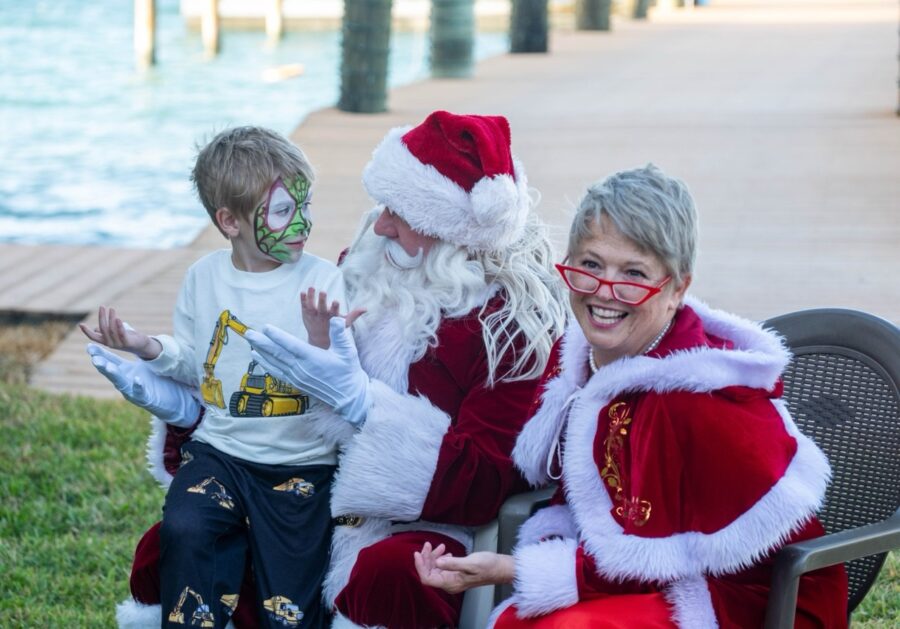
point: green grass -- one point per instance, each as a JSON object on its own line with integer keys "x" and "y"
{"x": 76, "y": 497}
{"x": 881, "y": 607}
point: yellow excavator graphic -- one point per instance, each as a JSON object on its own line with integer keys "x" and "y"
{"x": 283, "y": 611}
{"x": 261, "y": 394}
{"x": 211, "y": 388}
{"x": 201, "y": 617}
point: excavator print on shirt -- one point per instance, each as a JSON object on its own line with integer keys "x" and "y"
{"x": 260, "y": 393}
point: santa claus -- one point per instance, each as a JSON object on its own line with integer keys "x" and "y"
{"x": 428, "y": 390}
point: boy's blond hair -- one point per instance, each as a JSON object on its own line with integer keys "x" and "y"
{"x": 238, "y": 166}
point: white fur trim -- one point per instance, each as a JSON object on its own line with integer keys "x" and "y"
{"x": 346, "y": 543}
{"x": 131, "y": 614}
{"x": 547, "y": 522}
{"x": 156, "y": 443}
{"x": 796, "y": 496}
{"x": 545, "y": 577}
{"x": 534, "y": 443}
{"x": 387, "y": 468}
{"x": 757, "y": 360}
{"x": 691, "y": 604}
{"x": 386, "y": 352}
{"x": 498, "y": 611}
{"x": 490, "y": 218}
{"x": 342, "y": 622}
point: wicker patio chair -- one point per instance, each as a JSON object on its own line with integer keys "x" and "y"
{"x": 842, "y": 390}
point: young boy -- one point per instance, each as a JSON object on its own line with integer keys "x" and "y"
{"x": 255, "y": 476}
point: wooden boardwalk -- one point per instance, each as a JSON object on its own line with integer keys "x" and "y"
{"x": 780, "y": 117}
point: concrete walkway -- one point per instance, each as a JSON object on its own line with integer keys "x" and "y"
{"x": 780, "y": 117}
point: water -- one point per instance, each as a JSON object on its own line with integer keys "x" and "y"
{"x": 95, "y": 152}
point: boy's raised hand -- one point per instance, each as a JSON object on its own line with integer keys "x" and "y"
{"x": 113, "y": 332}
{"x": 317, "y": 313}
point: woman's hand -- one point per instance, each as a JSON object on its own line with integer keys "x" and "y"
{"x": 458, "y": 574}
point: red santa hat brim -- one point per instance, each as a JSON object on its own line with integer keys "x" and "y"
{"x": 488, "y": 218}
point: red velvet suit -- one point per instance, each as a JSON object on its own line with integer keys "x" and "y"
{"x": 682, "y": 473}
{"x": 431, "y": 461}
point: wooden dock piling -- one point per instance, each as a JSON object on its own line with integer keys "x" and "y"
{"x": 365, "y": 43}
{"x": 452, "y": 38}
{"x": 592, "y": 15}
{"x": 144, "y": 33}
{"x": 274, "y": 21}
{"x": 528, "y": 26}
{"x": 209, "y": 27}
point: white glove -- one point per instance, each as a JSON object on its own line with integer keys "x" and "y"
{"x": 333, "y": 375}
{"x": 165, "y": 398}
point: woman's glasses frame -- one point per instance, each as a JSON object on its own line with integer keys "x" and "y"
{"x": 651, "y": 290}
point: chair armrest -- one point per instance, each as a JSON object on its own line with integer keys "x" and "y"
{"x": 512, "y": 515}
{"x": 515, "y": 511}
{"x": 794, "y": 560}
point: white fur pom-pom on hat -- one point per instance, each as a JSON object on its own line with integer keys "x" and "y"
{"x": 453, "y": 177}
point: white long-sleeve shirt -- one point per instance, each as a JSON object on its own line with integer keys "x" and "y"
{"x": 262, "y": 419}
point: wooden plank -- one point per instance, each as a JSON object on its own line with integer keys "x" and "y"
{"x": 12, "y": 255}
{"x": 93, "y": 279}
{"x": 77, "y": 274}
{"x": 131, "y": 279}
{"x": 42, "y": 260}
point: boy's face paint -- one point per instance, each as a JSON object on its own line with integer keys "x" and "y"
{"x": 282, "y": 223}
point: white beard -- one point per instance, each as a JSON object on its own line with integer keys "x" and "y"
{"x": 404, "y": 307}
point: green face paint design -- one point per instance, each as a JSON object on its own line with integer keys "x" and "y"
{"x": 282, "y": 223}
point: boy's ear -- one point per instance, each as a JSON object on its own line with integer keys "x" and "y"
{"x": 227, "y": 222}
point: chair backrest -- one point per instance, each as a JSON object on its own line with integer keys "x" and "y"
{"x": 842, "y": 390}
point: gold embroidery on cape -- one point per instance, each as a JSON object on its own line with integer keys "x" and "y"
{"x": 632, "y": 509}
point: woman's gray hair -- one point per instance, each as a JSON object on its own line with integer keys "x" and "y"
{"x": 652, "y": 209}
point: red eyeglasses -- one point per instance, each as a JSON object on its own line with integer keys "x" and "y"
{"x": 580, "y": 281}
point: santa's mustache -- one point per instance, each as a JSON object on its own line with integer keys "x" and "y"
{"x": 398, "y": 257}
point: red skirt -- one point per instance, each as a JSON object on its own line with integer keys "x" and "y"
{"x": 621, "y": 611}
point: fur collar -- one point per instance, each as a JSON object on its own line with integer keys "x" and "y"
{"x": 757, "y": 360}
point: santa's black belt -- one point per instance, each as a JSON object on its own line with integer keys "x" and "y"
{"x": 348, "y": 520}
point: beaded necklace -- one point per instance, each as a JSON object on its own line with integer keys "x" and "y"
{"x": 652, "y": 346}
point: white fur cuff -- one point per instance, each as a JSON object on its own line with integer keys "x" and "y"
{"x": 545, "y": 577}
{"x": 388, "y": 467}
{"x": 133, "y": 615}
{"x": 550, "y": 521}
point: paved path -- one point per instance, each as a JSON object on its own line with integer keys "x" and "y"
{"x": 780, "y": 117}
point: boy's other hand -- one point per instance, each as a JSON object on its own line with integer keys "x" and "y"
{"x": 114, "y": 333}
{"x": 317, "y": 313}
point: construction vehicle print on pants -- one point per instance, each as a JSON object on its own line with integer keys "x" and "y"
{"x": 201, "y": 617}
{"x": 215, "y": 490}
{"x": 283, "y": 611}
{"x": 261, "y": 394}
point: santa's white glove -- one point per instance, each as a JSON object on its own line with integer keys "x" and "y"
{"x": 333, "y": 375}
{"x": 165, "y": 398}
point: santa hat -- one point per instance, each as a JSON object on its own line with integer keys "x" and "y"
{"x": 453, "y": 177}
